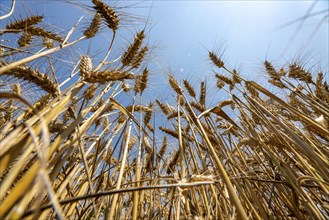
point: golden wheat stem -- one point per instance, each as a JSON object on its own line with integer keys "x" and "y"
{"x": 178, "y": 201}
{"x": 180, "y": 139}
{"x": 122, "y": 166}
{"x": 71, "y": 31}
{"x": 53, "y": 197}
{"x": 302, "y": 146}
{"x": 138, "y": 167}
{"x": 85, "y": 163}
{"x": 302, "y": 116}
{"x": 118, "y": 191}
{"x": 11, "y": 10}
{"x": 27, "y": 179}
{"x": 73, "y": 73}
{"x": 106, "y": 56}
{"x": 8, "y": 181}
{"x": 233, "y": 196}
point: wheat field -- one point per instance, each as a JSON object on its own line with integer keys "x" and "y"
{"x": 79, "y": 141}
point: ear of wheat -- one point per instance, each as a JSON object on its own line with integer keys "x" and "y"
{"x": 108, "y": 14}
{"x": 133, "y": 48}
{"x": 24, "y": 40}
{"x": 108, "y": 76}
{"x": 216, "y": 60}
{"x": 94, "y": 26}
{"x": 37, "y": 31}
{"x": 174, "y": 85}
{"x": 86, "y": 66}
{"x": 189, "y": 88}
{"x": 25, "y": 23}
{"x": 33, "y": 76}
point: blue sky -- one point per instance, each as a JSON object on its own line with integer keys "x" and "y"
{"x": 247, "y": 29}
{"x": 183, "y": 31}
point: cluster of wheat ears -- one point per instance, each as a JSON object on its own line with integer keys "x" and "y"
{"x": 75, "y": 152}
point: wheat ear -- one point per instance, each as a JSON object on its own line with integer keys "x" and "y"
{"x": 32, "y": 75}
{"x": 132, "y": 50}
{"x": 25, "y": 23}
{"x": 94, "y": 26}
{"x": 108, "y": 14}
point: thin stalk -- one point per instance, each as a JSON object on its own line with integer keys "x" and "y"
{"x": 138, "y": 166}
{"x": 12, "y": 8}
{"x": 123, "y": 162}
{"x": 233, "y": 196}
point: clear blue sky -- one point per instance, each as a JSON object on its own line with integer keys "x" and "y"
{"x": 181, "y": 30}
{"x": 247, "y": 28}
